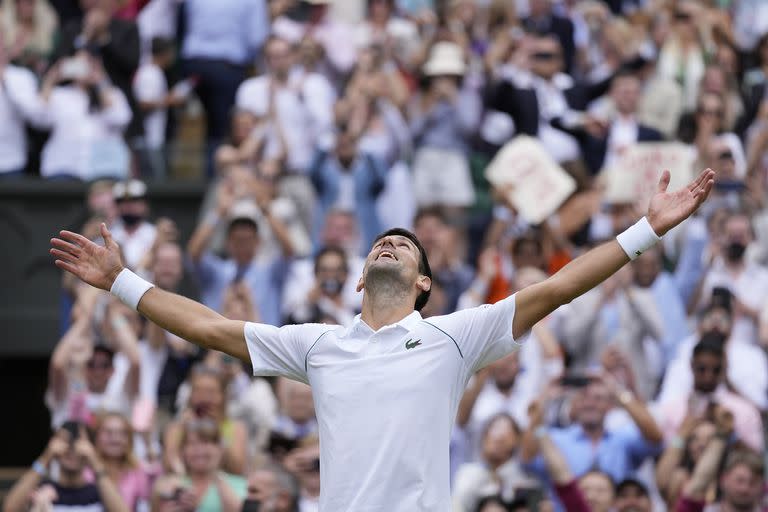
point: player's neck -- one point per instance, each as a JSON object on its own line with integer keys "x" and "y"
{"x": 380, "y": 311}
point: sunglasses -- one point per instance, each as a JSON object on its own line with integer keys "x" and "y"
{"x": 545, "y": 56}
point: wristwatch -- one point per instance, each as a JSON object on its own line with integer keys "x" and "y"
{"x": 625, "y": 397}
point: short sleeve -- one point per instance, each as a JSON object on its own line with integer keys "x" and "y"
{"x": 148, "y": 85}
{"x": 282, "y": 350}
{"x": 483, "y": 334}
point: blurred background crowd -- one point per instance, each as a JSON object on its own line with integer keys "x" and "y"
{"x": 320, "y": 123}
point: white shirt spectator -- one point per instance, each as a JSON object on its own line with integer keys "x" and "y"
{"x": 304, "y": 110}
{"x": 747, "y": 371}
{"x": 301, "y": 279}
{"x": 623, "y": 134}
{"x": 152, "y": 363}
{"x": 86, "y": 143}
{"x": 150, "y": 85}
{"x": 17, "y": 101}
{"x": 134, "y": 245}
{"x": 750, "y": 287}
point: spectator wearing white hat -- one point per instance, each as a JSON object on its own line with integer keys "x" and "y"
{"x": 135, "y": 233}
{"x": 443, "y": 117}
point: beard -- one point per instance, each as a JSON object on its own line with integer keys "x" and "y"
{"x": 386, "y": 282}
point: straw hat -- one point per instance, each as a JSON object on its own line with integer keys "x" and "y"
{"x": 445, "y": 58}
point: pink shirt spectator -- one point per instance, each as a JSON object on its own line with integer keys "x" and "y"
{"x": 135, "y": 486}
{"x": 747, "y": 422}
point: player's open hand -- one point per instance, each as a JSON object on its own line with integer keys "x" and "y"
{"x": 92, "y": 263}
{"x": 668, "y": 209}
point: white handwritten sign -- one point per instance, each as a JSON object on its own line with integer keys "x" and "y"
{"x": 539, "y": 185}
{"x": 635, "y": 176}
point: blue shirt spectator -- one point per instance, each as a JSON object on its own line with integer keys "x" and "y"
{"x": 229, "y": 30}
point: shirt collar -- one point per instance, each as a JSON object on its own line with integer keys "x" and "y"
{"x": 359, "y": 328}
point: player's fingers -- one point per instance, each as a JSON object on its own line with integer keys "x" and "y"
{"x": 64, "y": 256}
{"x": 106, "y": 235}
{"x": 75, "y": 238}
{"x": 66, "y": 266}
{"x": 664, "y": 181}
{"x": 66, "y": 246}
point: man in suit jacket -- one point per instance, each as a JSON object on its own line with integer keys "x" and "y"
{"x": 543, "y": 21}
{"x": 534, "y": 97}
{"x": 116, "y": 41}
{"x": 603, "y": 140}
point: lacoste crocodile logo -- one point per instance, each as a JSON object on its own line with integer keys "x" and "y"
{"x": 412, "y": 344}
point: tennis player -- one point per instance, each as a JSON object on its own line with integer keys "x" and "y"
{"x": 386, "y": 387}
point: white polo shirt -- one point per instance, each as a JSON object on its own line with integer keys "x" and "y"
{"x": 386, "y": 400}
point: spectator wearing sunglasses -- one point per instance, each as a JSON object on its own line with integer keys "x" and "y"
{"x": 709, "y": 367}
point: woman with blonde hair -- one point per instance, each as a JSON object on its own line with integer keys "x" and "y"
{"x": 28, "y": 29}
{"x": 113, "y": 440}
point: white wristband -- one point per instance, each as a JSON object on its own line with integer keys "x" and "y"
{"x": 638, "y": 238}
{"x": 129, "y": 288}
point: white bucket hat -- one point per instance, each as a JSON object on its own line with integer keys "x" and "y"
{"x": 445, "y": 58}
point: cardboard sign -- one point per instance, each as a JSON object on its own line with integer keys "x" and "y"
{"x": 540, "y": 185}
{"x": 635, "y": 176}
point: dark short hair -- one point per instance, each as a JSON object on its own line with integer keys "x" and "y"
{"x": 103, "y": 349}
{"x": 331, "y": 249}
{"x": 710, "y": 343}
{"x": 632, "y": 482}
{"x": 424, "y": 269}
{"x": 745, "y": 457}
{"x": 161, "y": 45}
{"x": 242, "y": 222}
{"x": 430, "y": 211}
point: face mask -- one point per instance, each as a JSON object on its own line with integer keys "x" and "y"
{"x": 331, "y": 286}
{"x": 130, "y": 219}
{"x": 735, "y": 251}
{"x": 251, "y": 506}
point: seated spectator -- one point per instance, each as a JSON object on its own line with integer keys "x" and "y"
{"x": 73, "y": 452}
{"x": 29, "y": 28}
{"x": 709, "y": 368}
{"x": 205, "y": 475}
{"x": 113, "y": 440}
{"x": 441, "y": 240}
{"x": 86, "y": 378}
{"x": 732, "y": 270}
{"x": 443, "y": 118}
{"x": 681, "y": 454}
{"x": 741, "y": 481}
{"x": 616, "y": 313}
{"x": 339, "y": 230}
{"x": 747, "y": 364}
{"x": 271, "y": 488}
{"x": 77, "y": 93}
{"x": 17, "y": 106}
{"x": 588, "y": 444}
{"x": 303, "y": 463}
{"x": 325, "y": 300}
{"x": 296, "y": 419}
{"x": 207, "y": 404}
{"x": 498, "y": 472}
{"x": 151, "y": 90}
{"x": 115, "y": 41}
{"x": 135, "y": 234}
{"x": 350, "y": 180}
{"x": 263, "y": 278}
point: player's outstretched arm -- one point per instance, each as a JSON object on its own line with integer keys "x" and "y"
{"x": 99, "y": 266}
{"x": 665, "y": 211}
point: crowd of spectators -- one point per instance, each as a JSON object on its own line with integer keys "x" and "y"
{"x": 327, "y": 122}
